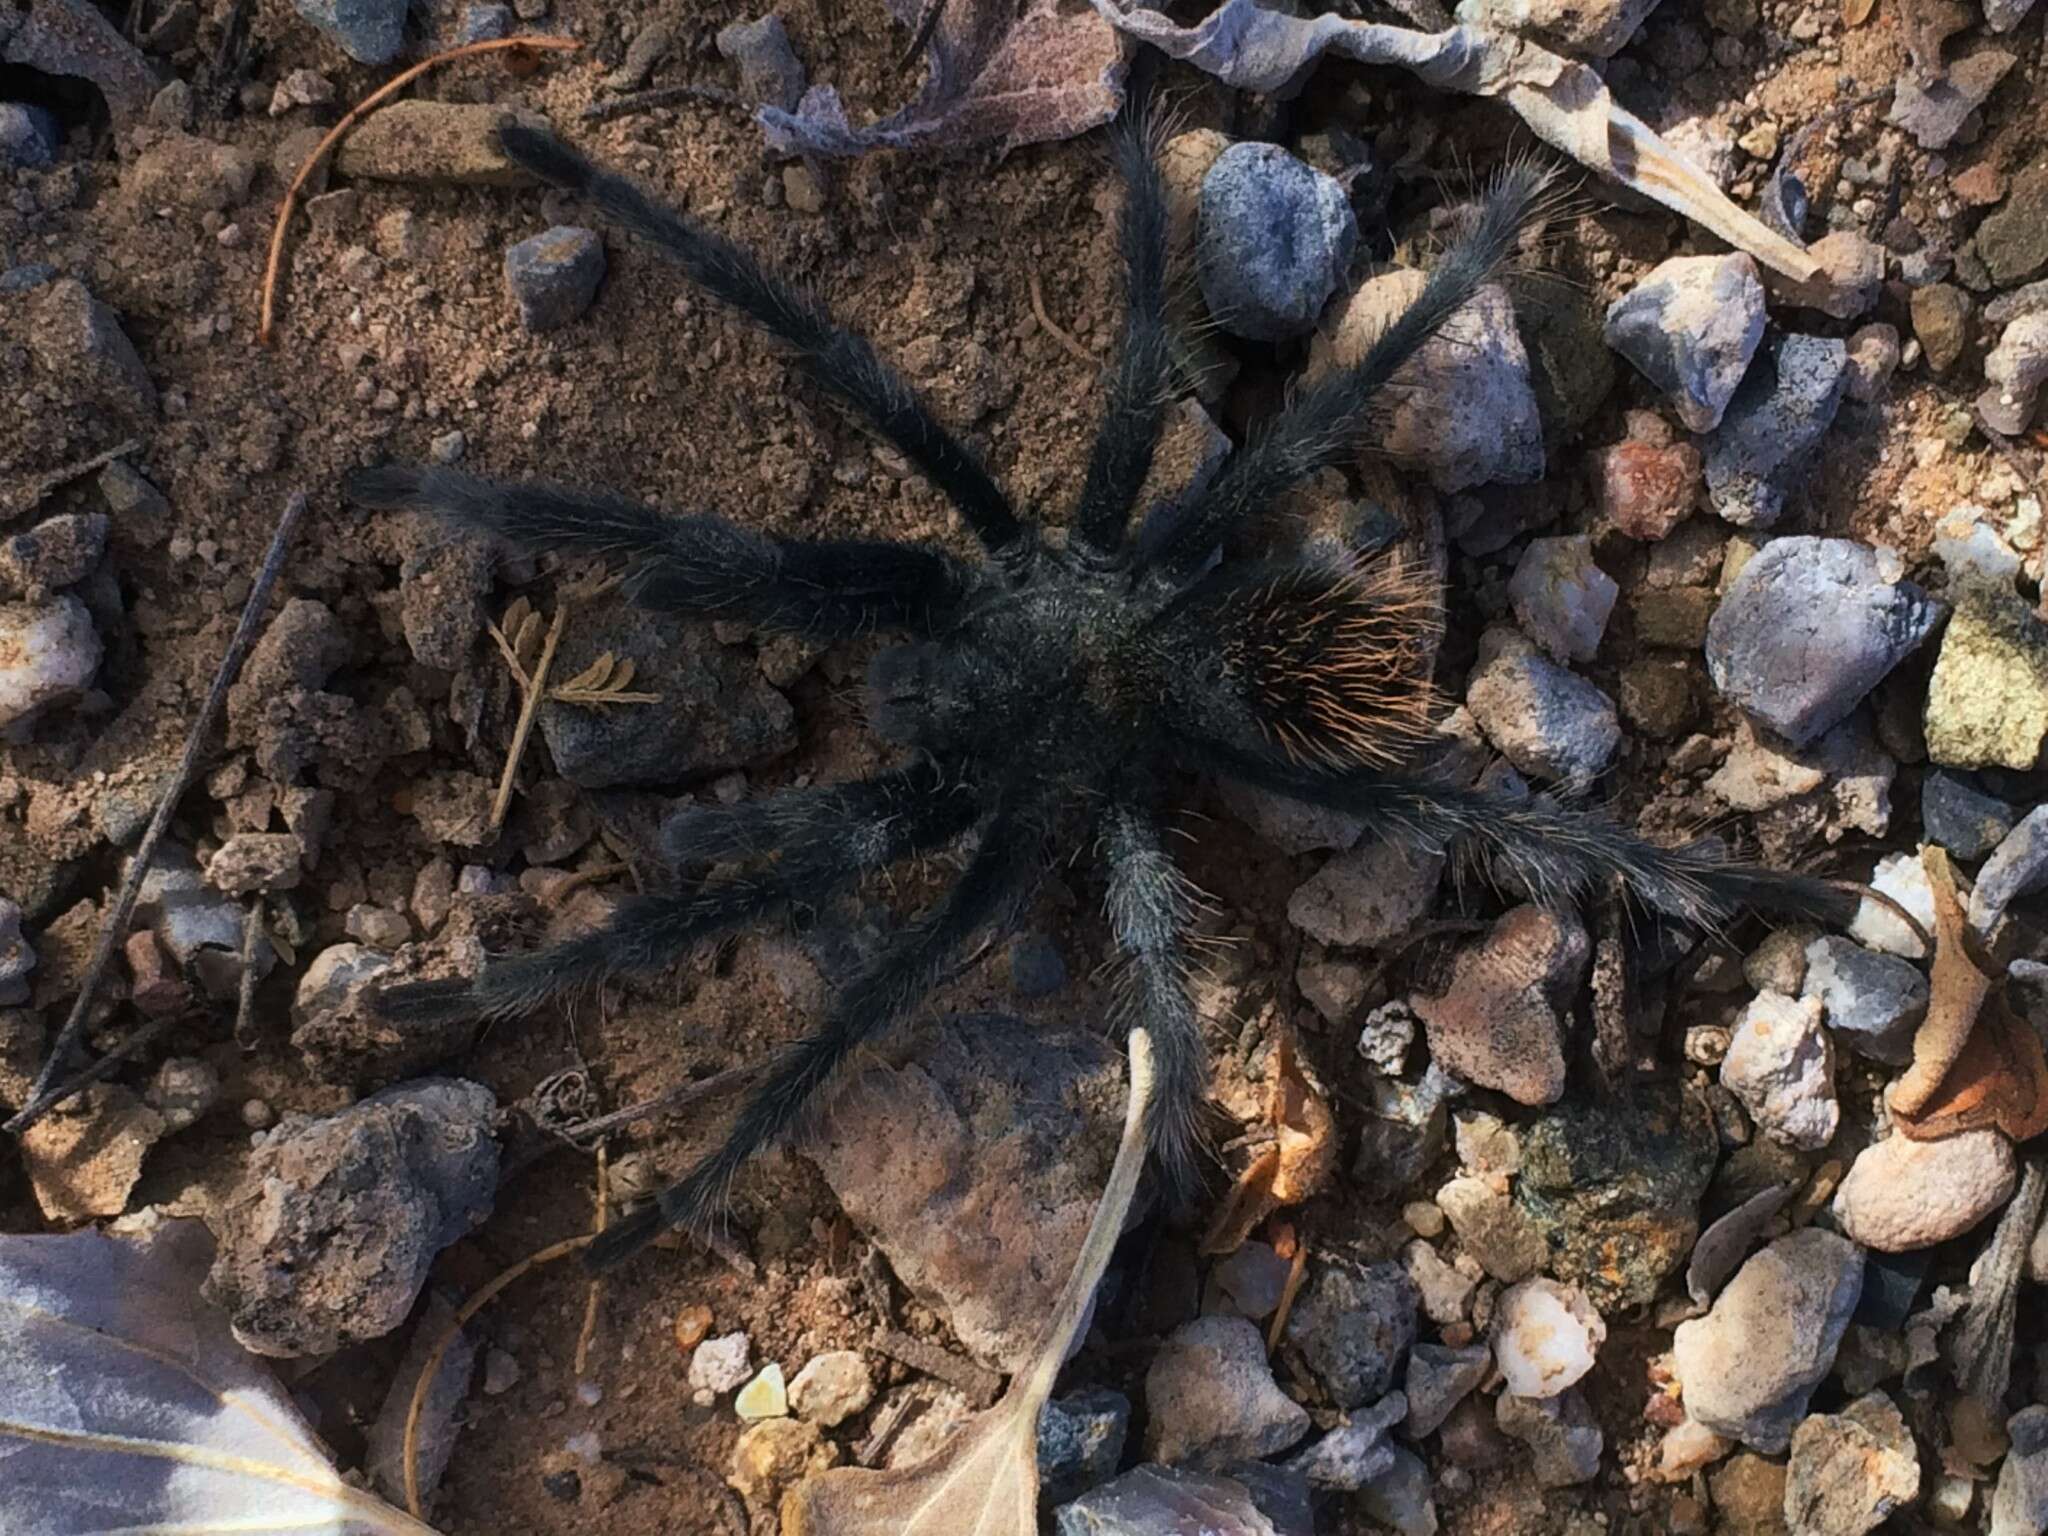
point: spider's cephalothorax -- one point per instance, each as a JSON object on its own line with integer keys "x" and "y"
{"x": 1049, "y": 680}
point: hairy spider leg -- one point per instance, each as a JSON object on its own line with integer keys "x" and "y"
{"x": 803, "y": 844}
{"x": 842, "y": 361}
{"x": 877, "y": 999}
{"x": 693, "y": 564}
{"x": 1319, "y": 426}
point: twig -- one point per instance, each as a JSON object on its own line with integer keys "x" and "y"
{"x": 532, "y": 690}
{"x": 115, "y": 924}
{"x": 596, "y": 1293}
{"x": 678, "y": 1097}
{"x": 63, "y": 475}
{"x": 245, "y": 991}
{"x": 78, "y": 1082}
{"x": 662, "y": 96}
{"x": 927, "y": 24}
{"x": 979, "y": 1385}
{"x": 335, "y": 135}
{"x": 463, "y": 1314}
{"x": 1058, "y": 335}
{"x": 1287, "y": 1294}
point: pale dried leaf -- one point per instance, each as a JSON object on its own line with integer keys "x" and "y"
{"x": 1857, "y": 12}
{"x": 622, "y": 676}
{"x": 590, "y": 680}
{"x": 1304, "y": 1151}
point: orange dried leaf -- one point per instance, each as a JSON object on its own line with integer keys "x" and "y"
{"x": 1956, "y": 993}
{"x": 1857, "y": 12}
{"x": 1293, "y": 1168}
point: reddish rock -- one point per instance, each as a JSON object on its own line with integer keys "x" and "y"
{"x": 1646, "y": 490}
{"x": 1499, "y": 1024}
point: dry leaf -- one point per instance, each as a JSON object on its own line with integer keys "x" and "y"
{"x": 1956, "y": 992}
{"x": 992, "y": 77}
{"x": 1303, "y": 1152}
{"x": 1857, "y": 12}
{"x": 984, "y": 1480}
{"x": 126, "y": 1404}
{"x": 604, "y": 681}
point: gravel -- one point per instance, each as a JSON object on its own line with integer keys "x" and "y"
{"x": 1211, "y": 1399}
{"x": 1987, "y": 702}
{"x": 1901, "y": 1194}
{"x": 1276, "y": 239}
{"x": 1439, "y": 1378}
{"x": 1691, "y": 327}
{"x": 1850, "y": 1470}
{"x": 2014, "y": 372}
{"x": 1560, "y": 1434}
{"x": 553, "y": 276}
{"x": 1500, "y": 1023}
{"x": 770, "y": 74}
{"x": 1783, "y": 408}
{"x": 1962, "y": 818}
{"x": 1781, "y": 1065}
{"x": 1353, "y": 1325}
{"x": 1872, "y": 1003}
{"x": 1561, "y": 597}
{"x": 17, "y": 959}
{"x": 368, "y": 31}
{"x": 1546, "y": 1337}
{"x": 832, "y": 1387}
{"x": 1366, "y": 897}
{"x": 29, "y": 136}
{"x": 2017, "y": 867}
{"x": 1150, "y": 1499}
{"x": 1080, "y": 1441}
{"x": 49, "y": 654}
{"x": 1548, "y": 722}
{"x": 2019, "y": 1507}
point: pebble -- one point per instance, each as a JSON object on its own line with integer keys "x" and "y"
{"x": 1902, "y": 1194}
{"x": 1903, "y": 878}
{"x": 1445, "y": 1291}
{"x": 1291, "y": 826}
{"x": 368, "y": 31}
{"x": 1749, "y": 1366}
{"x": 58, "y": 552}
{"x": 1934, "y": 111}
{"x": 1851, "y": 271}
{"x": 774, "y": 1455}
{"x": 1355, "y": 1453}
{"x": 29, "y": 136}
{"x": 49, "y": 654}
{"x": 719, "y": 1365}
{"x": 1987, "y": 702}
{"x": 1859, "y": 619}
{"x": 1548, "y": 722}
{"x": 76, "y": 338}
{"x": 1248, "y": 1282}
{"x": 1036, "y": 967}
{"x": 1781, "y": 1065}
{"x": 1781, "y": 411}
{"x": 17, "y": 959}
{"x": 553, "y": 276}
{"x": 442, "y": 142}
{"x": 1439, "y": 1378}
{"x": 1561, "y": 597}
{"x": 1749, "y": 1496}
{"x": 1369, "y": 896}
{"x": 1560, "y": 1432}
{"x": 1597, "y": 30}
{"x": 1150, "y": 1499}
{"x": 770, "y": 74}
{"x": 84, "y": 1165}
{"x": 2017, "y": 867}
{"x": 182, "y": 1090}
{"x": 1211, "y": 1399}
{"x": 1873, "y": 359}
{"x": 1399, "y": 1497}
{"x": 1691, "y": 327}
{"x": 256, "y": 861}
{"x": 1080, "y": 1441}
{"x": 2012, "y": 241}
{"x": 2014, "y": 372}
{"x": 1353, "y": 1325}
{"x": 1941, "y": 322}
{"x": 1961, "y": 817}
{"x": 1499, "y": 1023}
{"x": 1334, "y": 987}
{"x": 1873, "y": 1003}
{"x": 484, "y": 23}
{"x": 650, "y": 45}
{"x": 1850, "y": 1470}
{"x": 765, "y": 1397}
{"x": 1387, "y": 1036}
{"x": 2019, "y": 1507}
{"x": 832, "y": 1388}
{"x": 1276, "y": 238}
{"x": 1546, "y": 1336}
{"x": 1493, "y": 1229}
{"x": 1646, "y": 489}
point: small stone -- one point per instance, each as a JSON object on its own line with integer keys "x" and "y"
{"x": 1276, "y": 239}
{"x": 2018, "y": 867}
{"x": 1871, "y": 1002}
{"x": 1851, "y": 270}
{"x": 1211, "y": 1399}
{"x": 1903, "y": 878}
{"x": 1561, "y": 597}
{"x": 1399, "y": 1496}
{"x": 1248, "y": 1282}
{"x": 1498, "y": 1024}
{"x": 1446, "y": 1292}
{"x": 84, "y": 1160}
{"x": 1941, "y": 322}
{"x": 16, "y": 958}
{"x": 2014, "y": 372}
{"x": 1387, "y": 1036}
{"x": 2019, "y": 1507}
{"x": 1691, "y": 327}
{"x": 2013, "y": 241}
{"x": 1676, "y": 617}
{"x": 1749, "y": 1366}
{"x": 78, "y": 340}
{"x": 832, "y": 1388}
{"x": 1749, "y": 1496}
{"x": 1934, "y": 110}
{"x": 1080, "y": 1441}
{"x": 774, "y": 1455}
{"x": 1548, "y": 722}
{"x": 1961, "y": 817}
{"x": 58, "y": 552}
{"x": 1493, "y": 1230}
{"x": 1658, "y": 696}
{"x": 435, "y": 142}
{"x": 1151, "y": 1499}
{"x": 1546, "y": 1337}
{"x": 1781, "y": 1065}
{"x": 1688, "y": 1448}
{"x": 1902, "y": 1194}
{"x": 1291, "y": 826}
{"x": 800, "y": 189}
{"x": 1873, "y": 359}
{"x": 1369, "y": 896}
{"x": 650, "y": 45}
{"x": 764, "y": 1397}
{"x": 553, "y": 277}
{"x": 1334, "y": 988}
{"x": 1858, "y": 621}
{"x": 1646, "y": 489}
{"x": 369, "y": 31}
{"x": 182, "y": 1091}
{"x": 483, "y": 23}
{"x": 1353, "y": 1325}
{"x": 1987, "y": 702}
{"x": 770, "y": 75}
{"x": 256, "y": 861}
{"x": 29, "y": 136}
{"x": 719, "y": 1365}
{"x": 49, "y": 654}
{"x": 301, "y": 88}
{"x": 1356, "y": 1453}
{"x": 1440, "y": 1378}
{"x": 1563, "y": 1438}
{"x": 1781, "y": 411}
{"x": 1850, "y": 1470}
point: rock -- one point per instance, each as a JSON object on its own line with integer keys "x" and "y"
{"x": 1507, "y": 1245}
{"x": 1248, "y": 1282}
{"x": 1463, "y": 406}
{"x": 1563, "y": 1438}
{"x": 1902, "y": 877}
{"x": 2019, "y": 1507}
{"x": 1446, "y": 1292}
{"x": 650, "y": 45}
{"x": 1355, "y": 1453}
{"x": 770, "y": 75}
{"x": 2004, "y": 15}
{"x": 435, "y": 141}
{"x": 716, "y": 711}
{"x": 1080, "y": 1441}
{"x": 1370, "y": 896}
{"x": 1335, "y": 988}
{"x": 1440, "y": 1378}
{"x": 1961, "y": 817}
{"x": 1749, "y": 1366}
{"x": 1859, "y": 620}
{"x": 327, "y": 1238}
{"x": 1987, "y": 703}
{"x": 1851, "y": 270}
{"x": 976, "y": 1168}
{"x": 1676, "y": 617}
{"x": 1871, "y": 1002}
{"x": 16, "y": 958}
{"x": 256, "y": 861}
{"x": 182, "y": 1091}
{"x": 1399, "y": 1496}
{"x": 1561, "y": 598}
{"x": 1615, "y": 1189}
{"x": 1934, "y": 111}
{"x": 1289, "y": 825}
{"x": 199, "y": 927}
{"x": 2014, "y": 371}
{"x": 1211, "y": 1399}
{"x": 1570, "y": 368}
{"x": 84, "y": 1160}
{"x": 1781, "y": 1065}
{"x": 1387, "y": 1036}
{"x": 1691, "y": 328}
{"x": 2012, "y": 242}
{"x": 443, "y": 583}
{"x": 1781, "y": 411}
{"x": 484, "y": 23}
{"x": 49, "y": 654}
{"x": 1500, "y": 1022}
{"x": 2017, "y": 868}
{"x": 553, "y": 276}
{"x": 57, "y": 552}
{"x": 720, "y": 1365}
{"x": 1749, "y": 1496}
{"x": 832, "y": 1388}
{"x": 774, "y": 1455}
{"x": 1276, "y": 239}
{"x": 29, "y": 136}
{"x": 1150, "y": 1499}
{"x": 1941, "y": 321}
{"x": 765, "y": 1397}
{"x": 1873, "y": 359}
{"x": 1901, "y": 1194}
{"x": 1548, "y": 722}
{"x": 77, "y": 339}
{"x": 368, "y": 31}
{"x": 1646, "y": 489}
{"x": 1353, "y": 1325}
{"x": 1546, "y": 1336}
{"x": 1569, "y": 26}
{"x": 1850, "y": 1470}
{"x": 181, "y": 171}
{"x": 79, "y": 41}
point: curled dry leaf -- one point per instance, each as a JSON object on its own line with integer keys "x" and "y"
{"x": 1857, "y": 12}
{"x": 126, "y": 1404}
{"x": 1304, "y": 1150}
{"x": 1563, "y": 101}
{"x": 984, "y": 1480}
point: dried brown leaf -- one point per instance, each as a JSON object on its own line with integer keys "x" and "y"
{"x": 1956, "y": 992}
{"x": 1857, "y": 12}
{"x": 1303, "y": 1152}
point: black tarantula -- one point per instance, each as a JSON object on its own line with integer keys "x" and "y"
{"x": 1045, "y": 679}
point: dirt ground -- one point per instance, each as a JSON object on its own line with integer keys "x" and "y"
{"x": 396, "y": 329}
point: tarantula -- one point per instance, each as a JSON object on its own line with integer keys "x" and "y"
{"x": 1048, "y": 678}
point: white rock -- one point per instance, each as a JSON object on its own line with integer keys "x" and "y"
{"x": 1902, "y": 1195}
{"x": 1546, "y": 1336}
{"x": 719, "y": 1365}
{"x": 765, "y": 1397}
{"x": 48, "y": 652}
{"x": 832, "y": 1387}
{"x": 1781, "y": 1065}
{"x": 1562, "y": 599}
{"x": 1899, "y": 876}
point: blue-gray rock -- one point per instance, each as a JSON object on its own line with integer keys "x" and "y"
{"x": 1891, "y": 1285}
{"x": 2020, "y": 1506}
{"x": 1353, "y": 1325}
{"x": 29, "y": 136}
{"x": 1275, "y": 239}
{"x": 1561, "y": 1437}
{"x": 1691, "y": 328}
{"x": 1439, "y": 1378}
{"x": 1782, "y": 409}
{"x": 30, "y": 274}
{"x": 1872, "y": 1003}
{"x": 368, "y": 31}
{"x": 1080, "y": 1441}
{"x": 2018, "y": 867}
{"x": 554, "y": 276}
{"x": 485, "y": 22}
{"x": 1808, "y": 628}
{"x": 1961, "y": 817}
{"x": 16, "y": 958}
{"x": 1549, "y": 722}
{"x": 1149, "y": 1500}
{"x": 1036, "y": 966}
{"x": 1356, "y": 1452}
{"x": 770, "y": 73}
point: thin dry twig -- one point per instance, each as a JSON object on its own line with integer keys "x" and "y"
{"x": 595, "y": 1295}
{"x": 1058, "y": 335}
{"x": 115, "y": 924}
{"x": 1287, "y": 1294}
{"x": 463, "y": 1314}
{"x": 679, "y": 1097}
{"x": 31, "y": 495}
{"x": 532, "y": 689}
{"x": 253, "y": 922}
{"x": 339, "y": 131}
{"x": 661, "y": 96}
